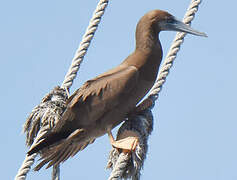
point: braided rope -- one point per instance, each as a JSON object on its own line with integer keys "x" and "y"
{"x": 68, "y": 80}
{"x": 56, "y": 173}
{"x": 174, "y": 49}
{"x": 84, "y": 45}
{"x": 120, "y": 168}
{"x": 25, "y": 167}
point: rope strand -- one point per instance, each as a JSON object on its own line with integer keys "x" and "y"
{"x": 120, "y": 166}
{"x": 84, "y": 45}
{"x": 56, "y": 173}
{"x": 174, "y": 49}
{"x": 25, "y": 167}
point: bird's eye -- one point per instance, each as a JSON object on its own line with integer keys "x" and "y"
{"x": 170, "y": 20}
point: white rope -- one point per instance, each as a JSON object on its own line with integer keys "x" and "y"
{"x": 56, "y": 173}
{"x": 120, "y": 168}
{"x": 68, "y": 80}
{"x": 84, "y": 45}
{"x": 25, "y": 167}
{"x": 174, "y": 49}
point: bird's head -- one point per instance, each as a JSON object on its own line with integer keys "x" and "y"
{"x": 163, "y": 21}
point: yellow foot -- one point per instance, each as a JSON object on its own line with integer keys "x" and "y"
{"x": 127, "y": 141}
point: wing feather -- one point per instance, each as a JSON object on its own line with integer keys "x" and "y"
{"x": 85, "y": 107}
{"x": 96, "y": 97}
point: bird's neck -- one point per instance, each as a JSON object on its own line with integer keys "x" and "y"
{"x": 146, "y": 35}
{"x": 148, "y": 53}
{"x": 146, "y": 41}
{"x": 147, "y": 60}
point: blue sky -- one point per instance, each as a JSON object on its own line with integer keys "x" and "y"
{"x": 195, "y": 126}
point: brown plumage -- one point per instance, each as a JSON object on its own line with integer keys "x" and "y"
{"x": 104, "y": 102}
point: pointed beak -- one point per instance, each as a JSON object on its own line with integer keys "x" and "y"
{"x": 176, "y": 25}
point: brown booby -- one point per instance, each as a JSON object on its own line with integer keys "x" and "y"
{"x": 105, "y": 101}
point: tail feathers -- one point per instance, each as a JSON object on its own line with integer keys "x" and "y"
{"x": 61, "y": 153}
{"x": 47, "y": 141}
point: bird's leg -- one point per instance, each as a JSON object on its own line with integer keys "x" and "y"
{"x": 127, "y": 141}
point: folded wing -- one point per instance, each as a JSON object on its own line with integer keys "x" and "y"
{"x": 84, "y": 107}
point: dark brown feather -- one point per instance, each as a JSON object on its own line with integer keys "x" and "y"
{"x": 97, "y": 96}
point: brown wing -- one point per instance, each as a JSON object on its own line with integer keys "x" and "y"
{"x": 85, "y": 106}
{"x": 96, "y": 97}
{"x": 89, "y": 103}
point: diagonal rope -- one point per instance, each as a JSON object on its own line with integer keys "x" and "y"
{"x": 37, "y": 114}
{"x": 174, "y": 49}
{"x": 117, "y": 161}
{"x": 25, "y": 167}
{"x": 85, "y": 43}
{"x": 56, "y": 173}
